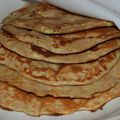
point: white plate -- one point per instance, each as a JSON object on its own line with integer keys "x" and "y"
{"x": 110, "y": 112}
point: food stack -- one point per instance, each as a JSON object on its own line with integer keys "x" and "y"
{"x": 56, "y": 62}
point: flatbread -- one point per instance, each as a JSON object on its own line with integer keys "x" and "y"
{"x": 64, "y": 44}
{"x": 14, "y": 99}
{"x": 59, "y": 74}
{"x": 14, "y": 79}
{"x": 34, "y": 52}
{"x": 48, "y": 19}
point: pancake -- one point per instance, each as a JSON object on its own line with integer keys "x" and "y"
{"x": 34, "y": 52}
{"x": 64, "y": 44}
{"x": 86, "y": 56}
{"x": 14, "y": 79}
{"x": 48, "y": 19}
{"x": 59, "y": 74}
{"x": 14, "y": 99}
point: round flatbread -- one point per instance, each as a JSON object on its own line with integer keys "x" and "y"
{"x": 48, "y": 19}
{"x": 87, "y": 91}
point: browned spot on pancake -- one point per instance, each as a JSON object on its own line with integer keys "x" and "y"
{"x": 61, "y": 66}
{"x": 22, "y": 97}
{"x": 2, "y": 58}
{"x": 107, "y": 59}
{"x": 91, "y": 72}
{"x": 97, "y": 70}
{"x": 23, "y": 60}
{"x": 42, "y": 51}
{"x": 4, "y": 87}
{"x": 62, "y": 40}
{"x": 55, "y": 46}
{"x": 40, "y": 71}
{"x": 88, "y": 73}
{"x": 72, "y": 104}
{"x": 63, "y": 43}
{"x": 76, "y": 69}
{"x": 5, "y": 33}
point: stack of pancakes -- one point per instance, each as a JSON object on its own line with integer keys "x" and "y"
{"x": 56, "y": 62}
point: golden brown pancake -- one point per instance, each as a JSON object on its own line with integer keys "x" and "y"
{"x": 64, "y": 44}
{"x": 87, "y": 91}
{"x": 59, "y": 74}
{"x": 48, "y": 19}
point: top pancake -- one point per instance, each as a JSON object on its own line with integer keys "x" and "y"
{"x": 48, "y": 19}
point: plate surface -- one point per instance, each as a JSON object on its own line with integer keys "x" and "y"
{"x": 111, "y": 111}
